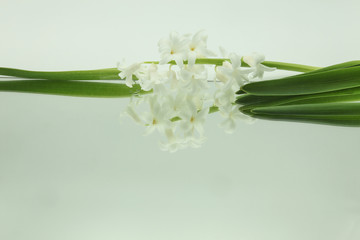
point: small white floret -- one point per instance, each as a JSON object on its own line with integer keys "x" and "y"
{"x": 254, "y": 61}
{"x": 128, "y": 71}
{"x": 174, "y": 47}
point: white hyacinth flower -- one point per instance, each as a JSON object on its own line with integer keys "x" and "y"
{"x": 254, "y": 61}
{"x": 127, "y": 72}
{"x": 198, "y": 47}
{"x": 222, "y": 75}
{"x": 174, "y": 47}
{"x": 234, "y": 71}
{"x": 194, "y": 78}
{"x": 177, "y": 94}
{"x": 225, "y": 94}
{"x": 239, "y": 74}
{"x": 150, "y": 77}
{"x": 231, "y": 114}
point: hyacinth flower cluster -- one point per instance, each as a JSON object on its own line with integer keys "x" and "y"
{"x": 174, "y": 95}
{"x": 183, "y": 92}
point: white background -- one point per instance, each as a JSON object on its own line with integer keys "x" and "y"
{"x": 70, "y": 170}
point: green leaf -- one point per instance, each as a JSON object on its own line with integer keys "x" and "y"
{"x": 249, "y": 99}
{"x": 71, "y": 88}
{"x": 324, "y": 69}
{"x": 332, "y": 80}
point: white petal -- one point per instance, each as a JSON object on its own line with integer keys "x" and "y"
{"x": 179, "y": 60}
{"x": 129, "y": 82}
{"x": 235, "y": 60}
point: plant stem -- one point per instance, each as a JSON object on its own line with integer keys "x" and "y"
{"x": 99, "y": 74}
{"x": 290, "y": 66}
{"x": 279, "y": 65}
{"x": 112, "y": 73}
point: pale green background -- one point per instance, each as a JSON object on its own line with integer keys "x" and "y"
{"x": 69, "y": 170}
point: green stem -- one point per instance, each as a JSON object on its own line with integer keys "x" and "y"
{"x": 279, "y": 65}
{"x": 112, "y": 73}
{"x": 99, "y": 74}
{"x": 290, "y": 66}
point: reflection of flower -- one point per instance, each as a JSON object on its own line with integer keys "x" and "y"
{"x": 194, "y": 78}
{"x": 231, "y": 115}
{"x": 179, "y": 102}
{"x": 173, "y": 143}
{"x": 224, "y": 95}
{"x": 131, "y": 112}
{"x": 192, "y": 120}
{"x": 158, "y": 117}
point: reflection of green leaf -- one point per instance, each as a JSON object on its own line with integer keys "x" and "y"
{"x": 344, "y": 121}
{"x": 251, "y": 101}
{"x": 310, "y": 83}
{"x": 71, "y": 88}
{"x": 311, "y": 109}
{"x": 340, "y": 113}
{"x": 325, "y": 99}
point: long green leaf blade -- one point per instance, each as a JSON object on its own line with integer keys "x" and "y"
{"x": 332, "y": 80}
{"x": 249, "y": 99}
{"x": 324, "y": 69}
